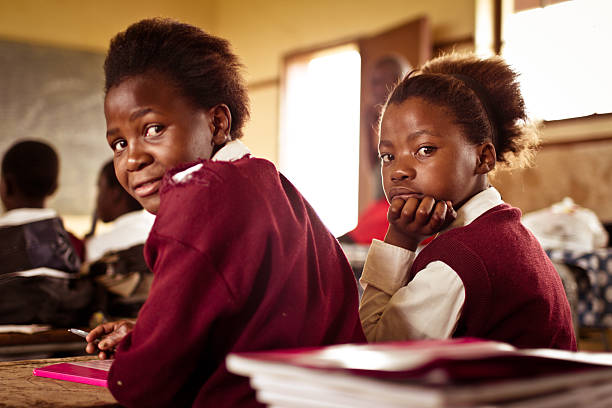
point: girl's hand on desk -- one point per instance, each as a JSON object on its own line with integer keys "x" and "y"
{"x": 109, "y": 335}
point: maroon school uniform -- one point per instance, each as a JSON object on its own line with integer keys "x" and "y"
{"x": 241, "y": 263}
{"x": 512, "y": 291}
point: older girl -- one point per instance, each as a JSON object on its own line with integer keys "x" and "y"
{"x": 240, "y": 260}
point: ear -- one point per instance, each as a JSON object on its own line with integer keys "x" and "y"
{"x": 53, "y": 188}
{"x": 221, "y": 124}
{"x": 7, "y": 192}
{"x": 6, "y": 185}
{"x": 486, "y": 158}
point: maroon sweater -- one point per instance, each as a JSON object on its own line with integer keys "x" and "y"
{"x": 512, "y": 291}
{"x": 241, "y": 263}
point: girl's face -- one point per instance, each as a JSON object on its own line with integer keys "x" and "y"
{"x": 425, "y": 153}
{"x": 152, "y": 128}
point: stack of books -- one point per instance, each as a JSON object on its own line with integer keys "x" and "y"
{"x": 438, "y": 373}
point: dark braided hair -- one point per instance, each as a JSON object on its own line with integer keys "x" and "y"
{"x": 200, "y": 65}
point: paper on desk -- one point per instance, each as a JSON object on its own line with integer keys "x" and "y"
{"x": 24, "y": 328}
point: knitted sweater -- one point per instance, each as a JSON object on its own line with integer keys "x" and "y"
{"x": 241, "y": 263}
{"x": 512, "y": 291}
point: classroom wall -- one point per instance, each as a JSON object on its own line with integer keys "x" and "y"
{"x": 263, "y": 31}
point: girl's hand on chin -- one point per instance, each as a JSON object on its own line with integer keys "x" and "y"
{"x": 413, "y": 220}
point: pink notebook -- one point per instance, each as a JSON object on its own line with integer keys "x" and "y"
{"x": 92, "y": 372}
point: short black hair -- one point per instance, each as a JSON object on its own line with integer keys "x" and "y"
{"x": 108, "y": 172}
{"x": 33, "y": 166}
{"x": 200, "y": 65}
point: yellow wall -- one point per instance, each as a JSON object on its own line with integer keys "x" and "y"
{"x": 265, "y": 30}
{"x": 262, "y": 31}
{"x": 88, "y": 24}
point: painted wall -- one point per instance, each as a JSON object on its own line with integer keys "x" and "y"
{"x": 88, "y": 24}
{"x": 261, "y": 31}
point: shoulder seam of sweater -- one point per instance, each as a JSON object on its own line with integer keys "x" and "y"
{"x": 204, "y": 255}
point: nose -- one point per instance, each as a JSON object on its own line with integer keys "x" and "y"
{"x": 402, "y": 170}
{"x": 137, "y": 157}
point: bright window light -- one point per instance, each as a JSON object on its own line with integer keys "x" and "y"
{"x": 563, "y": 54}
{"x": 319, "y": 135}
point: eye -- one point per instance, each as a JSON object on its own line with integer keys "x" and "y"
{"x": 153, "y": 130}
{"x": 386, "y": 157}
{"x": 426, "y": 151}
{"x": 118, "y": 145}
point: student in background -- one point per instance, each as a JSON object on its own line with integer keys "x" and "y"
{"x": 115, "y": 257}
{"x": 386, "y": 73}
{"x": 372, "y": 223}
{"x": 480, "y": 273}
{"x": 38, "y": 263}
{"x": 240, "y": 260}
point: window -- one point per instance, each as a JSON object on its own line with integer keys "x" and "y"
{"x": 319, "y": 132}
{"x": 563, "y": 54}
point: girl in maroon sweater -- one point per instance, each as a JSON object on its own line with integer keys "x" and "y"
{"x": 240, "y": 260}
{"x": 444, "y": 128}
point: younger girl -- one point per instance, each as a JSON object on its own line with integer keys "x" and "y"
{"x": 481, "y": 274}
{"x": 240, "y": 260}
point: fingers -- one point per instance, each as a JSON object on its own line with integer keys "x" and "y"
{"x": 438, "y": 216}
{"x": 100, "y": 331}
{"x": 424, "y": 211}
{"x": 105, "y": 337}
{"x": 395, "y": 209}
{"x": 111, "y": 340}
{"x": 451, "y": 214}
{"x": 422, "y": 217}
{"x": 90, "y": 348}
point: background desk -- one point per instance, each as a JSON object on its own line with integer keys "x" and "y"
{"x": 46, "y": 344}
{"x": 19, "y": 388}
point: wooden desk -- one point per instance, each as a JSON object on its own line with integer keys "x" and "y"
{"x": 47, "y": 344}
{"x": 19, "y": 388}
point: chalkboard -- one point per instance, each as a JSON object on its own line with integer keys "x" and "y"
{"x": 56, "y": 95}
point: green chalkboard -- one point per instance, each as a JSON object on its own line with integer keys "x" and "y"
{"x": 56, "y": 95}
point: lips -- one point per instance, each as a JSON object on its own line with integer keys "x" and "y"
{"x": 147, "y": 188}
{"x": 404, "y": 193}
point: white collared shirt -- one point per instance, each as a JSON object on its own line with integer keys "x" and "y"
{"x": 21, "y": 216}
{"x": 233, "y": 150}
{"x": 127, "y": 230}
{"x": 430, "y": 305}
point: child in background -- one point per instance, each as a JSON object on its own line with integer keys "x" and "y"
{"x": 481, "y": 273}
{"x": 240, "y": 260}
{"x": 115, "y": 257}
{"x": 38, "y": 262}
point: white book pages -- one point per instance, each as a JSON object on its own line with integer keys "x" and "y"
{"x": 284, "y": 376}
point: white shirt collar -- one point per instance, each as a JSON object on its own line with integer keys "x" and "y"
{"x": 21, "y": 216}
{"x": 476, "y": 206}
{"x": 134, "y": 216}
{"x": 233, "y": 150}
